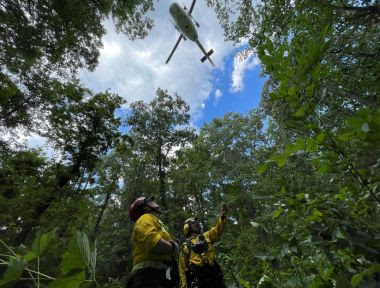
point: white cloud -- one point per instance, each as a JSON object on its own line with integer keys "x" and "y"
{"x": 20, "y": 138}
{"x": 110, "y": 49}
{"x": 218, "y": 94}
{"x": 241, "y": 65}
{"x": 135, "y": 69}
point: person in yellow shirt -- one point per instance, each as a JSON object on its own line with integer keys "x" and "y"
{"x": 153, "y": 248}
{"x": 197, "y": 265}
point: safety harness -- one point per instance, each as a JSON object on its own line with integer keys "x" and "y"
{"x": 195, "y": 273}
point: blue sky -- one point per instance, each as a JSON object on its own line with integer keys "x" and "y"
{"x": 241, "y": 101}
{"x": 135, "y": 69}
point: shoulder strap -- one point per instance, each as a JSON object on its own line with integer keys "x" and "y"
{"x": 187, "y": 244}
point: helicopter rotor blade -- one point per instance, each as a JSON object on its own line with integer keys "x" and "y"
{"x": 192, "y": 7}
{"x": 175, "y": 47}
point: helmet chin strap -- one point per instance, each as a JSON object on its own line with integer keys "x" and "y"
{"x": 200, "y": 229}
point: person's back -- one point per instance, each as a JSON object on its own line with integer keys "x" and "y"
{"x": 153, "y": 248}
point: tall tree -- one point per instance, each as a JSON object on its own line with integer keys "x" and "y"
{"x": 158, "y": 128}
{"x": 42, "y": 42}
{"x": 322, "y": 108}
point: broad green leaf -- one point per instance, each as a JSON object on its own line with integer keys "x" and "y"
{"x": 69, "y": 281}
{"x": 84, "y": 247}
{"x": 73, "y": 258}
{"x": 41, "y": 242}
{"x": 30, "y": 256}
{"x": 321, "y": 136}
{"x": 355, "y": 280}
{"x": 374, "y": 268}
{"x": 13, "y": 272}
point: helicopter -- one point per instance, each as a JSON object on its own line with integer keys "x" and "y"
{"x": 186, "y": 25}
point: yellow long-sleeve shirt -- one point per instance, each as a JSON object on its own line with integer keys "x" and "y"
{"x": 148, "y": 230}
{"x": 188, "y": 257}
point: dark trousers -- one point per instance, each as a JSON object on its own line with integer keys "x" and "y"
{"x": 150, "y": 278}
{"x": 206, "y": 276}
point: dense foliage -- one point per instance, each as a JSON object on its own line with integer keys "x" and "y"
{"x": 300, "y": 173}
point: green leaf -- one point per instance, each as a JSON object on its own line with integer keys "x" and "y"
{"x": 30, "y": 256}
{"x": 41, "y": 242}
{"x": 355, "y": 280}
{"x": 346, "y": 136}
{"x": 292, "y": 91}
{"x": 323, "y": 169}
{"x": 300, "y": 196}
{"x": 13, "y": 272}
{"x": 262, "y": 168}
{"x": 84, "y": 247}
{"x": 280, "y": 159}
{"x": 338, "y": 234}
{"x": 69, "y": 281}
{"x": 311, "y": 145}
{"x": 314, "y": 216}
{"x": 72, "y": 259}
{"x": 244, "y": 283}
{"x": 321, "y": 136}
{"x": 278, "y": 212}
{"x": 301, "y": 111}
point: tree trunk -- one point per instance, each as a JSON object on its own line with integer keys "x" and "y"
{"x": 161, "y": 176}
{"x": 100, "y": 216}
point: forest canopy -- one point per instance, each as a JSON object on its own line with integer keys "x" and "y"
{"x": 300, "y": 173}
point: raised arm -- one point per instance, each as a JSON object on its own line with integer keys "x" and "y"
{"x": 215, "y": 231}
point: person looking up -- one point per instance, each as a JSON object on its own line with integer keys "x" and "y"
{"x": 153, "y": 248}
{"x": 197, "y": 265}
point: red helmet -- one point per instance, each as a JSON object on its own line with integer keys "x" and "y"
{"x": 137, "y": 208}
